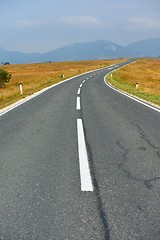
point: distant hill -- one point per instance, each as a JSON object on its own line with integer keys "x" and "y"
{"x": 19, "y": 57}
{"x": 85, "y": 51}
{"x": 101, "y": 49}
{"x": 148, "y": 47}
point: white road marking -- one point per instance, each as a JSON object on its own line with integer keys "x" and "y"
{"x": 110, "y": 68}
{"x": 129, "y": 96}
{"x": 85, "y": 175}
{"x": 79, "y": 91}
{"x": 87, "y": 78}
{"x": 78, "y": 103}
{"x": 83, "y": 81}
{"x": 81, "y": 85}
{"x": 24, "y": 100}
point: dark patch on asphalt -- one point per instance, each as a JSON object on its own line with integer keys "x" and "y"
{"x": 102, "y": 214}
{"x": 147, "y": 140}
{"x": 147, "y": 182}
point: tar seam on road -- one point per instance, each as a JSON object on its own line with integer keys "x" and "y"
{"x": 102, "y": 214}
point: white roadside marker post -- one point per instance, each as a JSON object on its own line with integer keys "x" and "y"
{"x": 21, "y": 88}
{"x": 136, "y": 85}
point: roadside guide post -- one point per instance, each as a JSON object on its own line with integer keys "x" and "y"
{"x": 21, "y": 88}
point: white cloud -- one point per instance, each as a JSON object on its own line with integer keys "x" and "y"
{"x": 80, "y": 20}
{"x": 144, "y": 23}
{"x": 24, "y": 23}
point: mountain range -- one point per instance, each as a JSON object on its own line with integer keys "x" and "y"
{"x": 102, "y": 49}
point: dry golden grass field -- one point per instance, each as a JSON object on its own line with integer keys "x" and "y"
{"x": 35, "y": 77}
{"x": 146, "y": 72}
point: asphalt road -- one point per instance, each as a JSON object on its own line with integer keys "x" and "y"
{"x": 41, "y": 191}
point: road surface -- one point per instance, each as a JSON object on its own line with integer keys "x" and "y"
{"x": 80, "y": 161}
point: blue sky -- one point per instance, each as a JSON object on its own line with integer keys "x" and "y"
{"x": 44, "y": 25}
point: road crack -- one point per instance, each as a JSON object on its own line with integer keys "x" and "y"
{"x": 146, "y": 182}
{"x": 102, "y": 214}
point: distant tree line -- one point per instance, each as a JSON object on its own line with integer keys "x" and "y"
{"x": 5, "y": 63}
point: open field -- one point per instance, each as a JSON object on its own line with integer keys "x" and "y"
{"x": 145, "y": 72}
{"x": 35, "y": 77}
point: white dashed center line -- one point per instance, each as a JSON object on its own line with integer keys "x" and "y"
{"x": 85, "y": 175}
{"x": 79, "y": 91}
{"x": 78, "y": 103}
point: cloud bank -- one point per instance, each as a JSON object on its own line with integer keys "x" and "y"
{"x": 80, "y": 20}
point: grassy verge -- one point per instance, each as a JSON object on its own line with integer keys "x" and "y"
{"x": 35, "y": 77}
{"x": 145, "y": 72}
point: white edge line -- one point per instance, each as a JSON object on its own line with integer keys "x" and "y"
{"x": 78, "y": 103}
{"x": 127, "y": 94}
{"x": 85, "y": 175}
{"x": 26, "y": 99}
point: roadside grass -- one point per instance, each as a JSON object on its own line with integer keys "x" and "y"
{"x": 35, "y": 77}
{"x": 145, "y": 72}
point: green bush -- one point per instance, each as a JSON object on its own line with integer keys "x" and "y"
{"x": 4, "y": 77}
